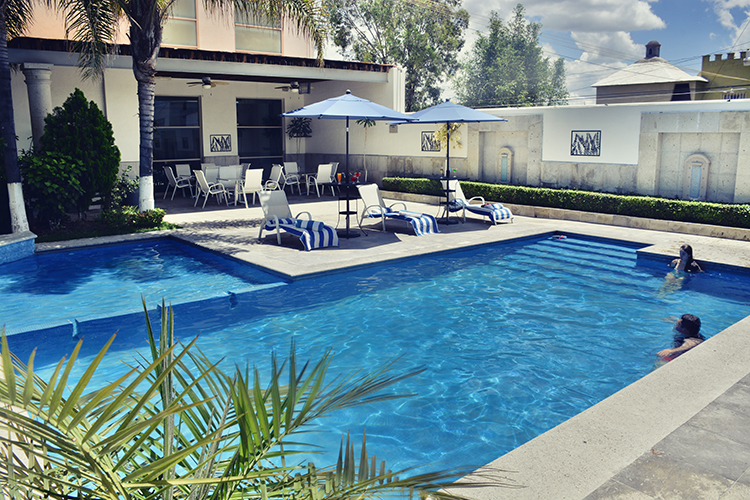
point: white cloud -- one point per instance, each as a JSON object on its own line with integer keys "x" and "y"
{"x": 576, "y": 15}
{"x": 734, "y": 15}
{"x": 602, "y": 55}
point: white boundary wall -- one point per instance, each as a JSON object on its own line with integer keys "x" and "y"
{"x": 643, "y": 148}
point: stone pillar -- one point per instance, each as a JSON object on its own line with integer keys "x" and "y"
{"x": 38, "y": 85}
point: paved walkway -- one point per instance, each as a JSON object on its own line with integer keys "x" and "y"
{"x": 681, "y": 432}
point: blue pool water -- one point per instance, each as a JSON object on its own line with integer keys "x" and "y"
{"x": 515, "y": 338}
{"x": 67, "y": 287}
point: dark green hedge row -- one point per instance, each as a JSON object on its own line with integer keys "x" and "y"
{"x": 720, "y": 214}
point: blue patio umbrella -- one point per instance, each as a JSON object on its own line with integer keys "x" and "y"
{"x": 449, "y": 112}
{"x": 345, "y": 107}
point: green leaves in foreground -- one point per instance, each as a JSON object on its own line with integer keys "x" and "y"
{"x": 176, "y": 426}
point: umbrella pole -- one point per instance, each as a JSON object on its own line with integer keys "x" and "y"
{"x": 347, "y": 233}
{"x": 447, "y": 219}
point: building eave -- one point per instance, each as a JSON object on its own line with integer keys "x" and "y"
{"x": 194, "y": 63}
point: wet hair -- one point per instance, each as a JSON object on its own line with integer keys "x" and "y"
{"x": 691, "y": 324}
{"x": 689, "y": 251}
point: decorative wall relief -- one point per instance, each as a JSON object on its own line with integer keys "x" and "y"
{"x": 430, "y": 142}
{"x": 585, "y": 143}
{"x": 695, "y": 180}
{"x": 221, "y": 143}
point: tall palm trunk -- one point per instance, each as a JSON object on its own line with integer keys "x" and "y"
{"x": 19, "y": 222}
{"x": 145, "y": 40}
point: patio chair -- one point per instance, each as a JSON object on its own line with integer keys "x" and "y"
{"x": 215, "y": 189}
{"x": 253, "y": 183}
{"x": 457, "y": 202}
{"x": 375, "y": 207}
{"x": 275, "y": 178}
{"x": 175, "y": 183}
{"x": 277, "y": 216}
{"x": 291, "y": 176}
{"x": 324, "y": 178}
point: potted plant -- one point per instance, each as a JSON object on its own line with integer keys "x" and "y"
{"x": 299, "y": 128}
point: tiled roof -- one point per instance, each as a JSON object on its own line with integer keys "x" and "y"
{"x": 645, "y": 71}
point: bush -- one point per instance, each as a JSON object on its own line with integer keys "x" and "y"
{"x": 130, "y": 217}
{"x": 51, "y": 186}
{"x": 720, "y": 214}
{"x": 80, "y": 130}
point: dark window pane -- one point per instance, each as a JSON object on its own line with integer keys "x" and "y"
{"x": 258, "y": 113}
{"x": 259, "y": 142}
{"x": 177, "y": 144}
{"x": 176, "y": 112}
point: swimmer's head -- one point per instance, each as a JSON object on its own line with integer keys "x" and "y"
{"x": 687, "y": 252}
{"x": 688, "y": 325}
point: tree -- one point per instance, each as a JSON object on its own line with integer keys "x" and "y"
{"x": 80, "y": 130}
{"x": 506, "y": 67}
{"x": 424, "y": 37}
{"x": 92, "y": 25}
{"x": 177, "y": 426}
{"x": 15, "y": 16}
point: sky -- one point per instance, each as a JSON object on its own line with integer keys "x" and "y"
{"x": 599, "y": 37}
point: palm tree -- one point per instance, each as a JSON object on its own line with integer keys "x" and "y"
{"x": 176, "y": 426}
{"x": 92, "y": 23}
{"x": 15, "y": 16}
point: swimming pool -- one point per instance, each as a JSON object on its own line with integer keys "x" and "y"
{"x": 69, "y": 288}
{"x": 516, "y": 338}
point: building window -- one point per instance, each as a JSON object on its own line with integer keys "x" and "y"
{"x": 181, "y": 28}
{"x": 256, "y": 33}
{"x": 260, "y": 132}
{"x": 177, "y": 131}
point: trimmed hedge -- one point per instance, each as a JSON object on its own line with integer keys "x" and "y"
{"x": 719, "y": 214}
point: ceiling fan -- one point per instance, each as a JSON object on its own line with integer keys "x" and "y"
{"x": 207, "y": 83}
{"x": 296, "y": 87}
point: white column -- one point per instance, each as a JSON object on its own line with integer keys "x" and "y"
{"x": 38, "y": 85}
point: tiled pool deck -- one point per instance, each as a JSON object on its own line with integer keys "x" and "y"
{"x": 681, "y": 432}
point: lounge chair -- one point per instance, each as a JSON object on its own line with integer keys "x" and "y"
{"x": 277, "y": 216}
{"x": 476, "y": 205}
{"x": 375, "y": 207}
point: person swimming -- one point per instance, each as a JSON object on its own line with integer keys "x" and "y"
{"x": 687, "y": 335}
{"x": 685, "y": 261}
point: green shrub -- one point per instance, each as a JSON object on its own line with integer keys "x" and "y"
{"x": 130, "y": 217}
{"x": 51, "y": 186}
{"x": 720, "y": 214}
{"x": 80, "y": 130}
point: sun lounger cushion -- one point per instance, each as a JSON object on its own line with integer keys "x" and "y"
{"x": 495, "y": 211}
{"x": 422, "y": 223}
{"x": 311, "y": 233}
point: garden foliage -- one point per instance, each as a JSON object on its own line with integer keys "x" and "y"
{"x": 51, "y": 185}
{"x": 80, "y": 130}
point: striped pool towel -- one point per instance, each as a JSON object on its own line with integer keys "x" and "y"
{"x": 422, "y": 223}
{"x": 495, "y": 211}
{"x": 311, "y": 233}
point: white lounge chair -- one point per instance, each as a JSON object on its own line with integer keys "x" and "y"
{"x": 253, "y": 183}
{"x": 375, "y": 207}
{"x": 215, "y": 189}
{"x": 457, "y": 202}
{"x": 277, "y": 216}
